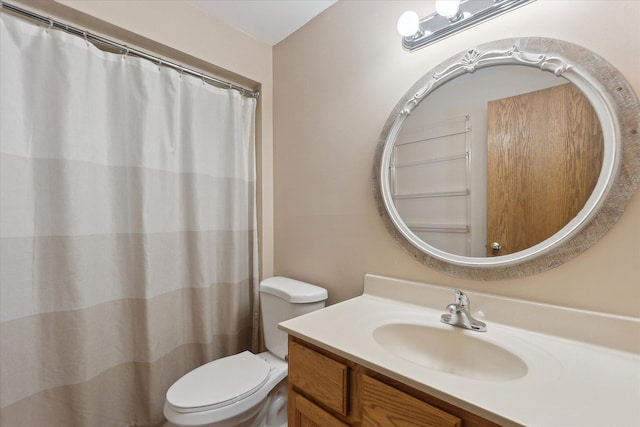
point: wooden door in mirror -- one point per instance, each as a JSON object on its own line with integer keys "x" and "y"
{"x": 543, "y": 164}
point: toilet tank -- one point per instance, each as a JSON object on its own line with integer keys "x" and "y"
{"x": 282, "y": 299}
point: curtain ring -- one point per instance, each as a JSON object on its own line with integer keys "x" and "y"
{"x": 50, "y": 25}
{"x": 203, "y": 81}
{"x": 86, "y": 37}
{"x": 159, "y": 64}
{"x": 124, "y": 57}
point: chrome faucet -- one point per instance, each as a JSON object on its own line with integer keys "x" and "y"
{"x": 459, "y": 314}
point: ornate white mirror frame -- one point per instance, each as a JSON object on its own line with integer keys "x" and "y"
{"x": 618, "y": 110}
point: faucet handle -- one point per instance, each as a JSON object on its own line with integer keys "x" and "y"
{"x": 461, "y": 298}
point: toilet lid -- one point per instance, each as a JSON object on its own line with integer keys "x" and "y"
{"x": 219, "y": 383}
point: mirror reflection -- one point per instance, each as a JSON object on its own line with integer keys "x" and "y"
{"x": 494, "y": 162}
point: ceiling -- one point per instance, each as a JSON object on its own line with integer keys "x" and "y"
{"x": 270, "y": 21}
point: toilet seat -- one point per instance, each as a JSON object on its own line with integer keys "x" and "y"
{"x": 219, "y": 383}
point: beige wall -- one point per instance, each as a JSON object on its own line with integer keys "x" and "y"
{"x": 178, "y": 31}
{"x": 336, "y": 85}
{"x": 336, "y": 81}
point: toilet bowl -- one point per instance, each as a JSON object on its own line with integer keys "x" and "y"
{"x": 240, "y": 390}
{"x": 246, "y": 389}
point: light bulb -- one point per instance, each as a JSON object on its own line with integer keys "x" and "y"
{"x": 447, "y": 8}
{"x": 408, "y": 23}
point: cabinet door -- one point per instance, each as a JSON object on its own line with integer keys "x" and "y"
{"x": 303, "y": 413}
{"x": 386, "y": 406}
{"x": 319, "y": 377}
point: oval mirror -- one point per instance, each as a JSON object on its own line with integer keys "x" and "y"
{"x": 509, "y": 158}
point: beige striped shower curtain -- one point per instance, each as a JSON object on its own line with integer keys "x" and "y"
{"x": 128, "y": 230}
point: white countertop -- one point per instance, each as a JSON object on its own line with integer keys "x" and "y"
{"x": 574, "y": 377}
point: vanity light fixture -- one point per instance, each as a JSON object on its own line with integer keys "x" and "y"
{"x": 450, "y": 17}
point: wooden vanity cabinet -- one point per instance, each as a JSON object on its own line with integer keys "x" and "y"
{"x": 326, "y": 390}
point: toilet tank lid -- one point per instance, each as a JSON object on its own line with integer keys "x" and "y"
{"x": 293, "y": 290}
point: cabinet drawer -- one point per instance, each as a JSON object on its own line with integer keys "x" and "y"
{"x": 319, "y": 377}
{"x": 384, "y": 406}
{"x": 307, "y": 414}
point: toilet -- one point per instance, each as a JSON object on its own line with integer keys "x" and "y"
{"x": 246, "y": 389}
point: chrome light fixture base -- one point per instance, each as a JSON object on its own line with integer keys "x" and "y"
{"x": 436, "y": 27}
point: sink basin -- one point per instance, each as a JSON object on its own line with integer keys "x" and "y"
{"x": 451, "y": 350}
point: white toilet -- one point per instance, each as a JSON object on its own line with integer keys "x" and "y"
{"x": 246, "y": 389}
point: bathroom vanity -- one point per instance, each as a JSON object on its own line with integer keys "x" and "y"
{"x": 347, "y": 394}
{"x": 385, "y": 359}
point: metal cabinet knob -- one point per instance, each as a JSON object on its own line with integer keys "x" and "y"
{"x": 495, "y": 246}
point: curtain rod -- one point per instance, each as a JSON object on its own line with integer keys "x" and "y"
{"x": 127, "y": 50}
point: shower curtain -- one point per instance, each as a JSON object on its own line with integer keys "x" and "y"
{"x": 128, "y": 230}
